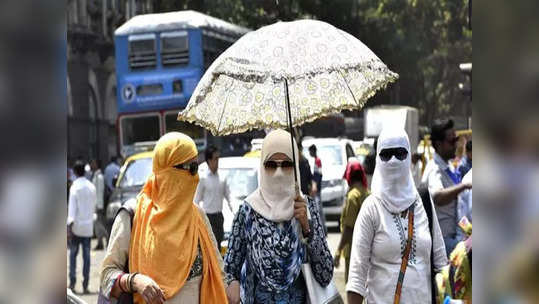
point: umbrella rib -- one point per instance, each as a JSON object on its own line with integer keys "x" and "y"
{"x": 221, "y": 117}
{"x": 350, "y": 90}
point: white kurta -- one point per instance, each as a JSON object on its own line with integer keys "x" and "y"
{"x": 378, "y": 244}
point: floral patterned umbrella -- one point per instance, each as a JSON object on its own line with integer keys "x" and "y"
{"x": 284, "y": 75}
{"x": 289, "y": 71}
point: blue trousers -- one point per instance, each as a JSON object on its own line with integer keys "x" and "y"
{"x": 73, "y": 252}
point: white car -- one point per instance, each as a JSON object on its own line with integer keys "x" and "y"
{"x": 241, "y": 174}
{"x": 334, "y": 154}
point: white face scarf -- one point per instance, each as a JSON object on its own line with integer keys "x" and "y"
{"x": 392, "y": 181}
{"x": 274, "y": 198}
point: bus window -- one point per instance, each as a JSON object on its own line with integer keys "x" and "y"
{"x": 150, "y": 89}
{"x": 142, "y": 52}
{"x": 192, "y": 130}
{"x": 139, "y": 129}
{"x": 175, "y": 48}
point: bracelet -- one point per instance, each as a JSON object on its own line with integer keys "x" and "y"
{"x": 119, "y": 281}
{"x": 131, "y": 281}
{"x": 122, "y": 287}
{"x": 127, "y": 283}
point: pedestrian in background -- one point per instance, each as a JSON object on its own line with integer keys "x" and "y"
{"x": 357, "y": 183}
{"x": 466, "y": 161}
{"x": 391, "y": 246}
{"x": 99, "y": 183}
{"x": 464, "y": 210}
{"x": 111, "y": 172}
{"x": 307, "y": 184}
{"x": 417, "y": 166}
{"x": 266, "y": 251}
{"x": 370, "y": 162}
{"x": 80, "y": 227}
{"x": 317, "y": 170}
{"x": 443, "y": 181}
{"x": 211, "y": 191}
{"x": 317, "y": 178}
{"x": 169, "y": 253}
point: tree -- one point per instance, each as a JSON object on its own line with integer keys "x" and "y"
{"x": 422, "y": 40}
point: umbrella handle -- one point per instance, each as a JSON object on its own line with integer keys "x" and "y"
{"x": 287, "y": 99}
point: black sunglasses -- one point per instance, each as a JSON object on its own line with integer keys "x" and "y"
{"x": 192, "y": 167}
{"x": 400, "y": 154}
{"x": 272, "y": 164}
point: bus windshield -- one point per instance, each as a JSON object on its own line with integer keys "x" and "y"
{"x": 139, "y": 129}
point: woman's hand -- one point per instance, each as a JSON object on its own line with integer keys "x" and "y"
{"x": 148, "y": 289}
{"x": 300, "y": 213}
{"x": 233, "y": 292}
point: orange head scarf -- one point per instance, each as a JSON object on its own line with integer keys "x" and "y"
{"x": 167, "y": 227}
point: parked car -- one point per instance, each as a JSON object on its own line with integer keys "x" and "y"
{"x": 133, "y": 174}
{"x": 241, "y": 174}
{"x": 334, "y": 154}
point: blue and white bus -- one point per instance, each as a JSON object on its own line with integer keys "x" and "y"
{"x": 159, "y": 60}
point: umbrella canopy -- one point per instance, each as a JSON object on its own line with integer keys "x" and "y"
{"x": 319, "y": 68}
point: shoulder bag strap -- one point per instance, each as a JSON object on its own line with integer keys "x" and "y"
{"x": 404, "y": 263}
{"x": 427, "y": 205}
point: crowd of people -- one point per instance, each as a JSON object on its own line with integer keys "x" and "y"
{"x": 402, "y": 237}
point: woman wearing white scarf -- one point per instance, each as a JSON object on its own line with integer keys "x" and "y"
{"x": 265, "y": 252}
{"x": 381, "y": 231}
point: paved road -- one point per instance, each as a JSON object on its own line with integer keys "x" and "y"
{"x": 97, "y": 257}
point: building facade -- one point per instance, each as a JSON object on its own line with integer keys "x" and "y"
{"x": 91, "y": 80}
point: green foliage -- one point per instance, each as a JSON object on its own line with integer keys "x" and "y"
{"x": 422, "y": 40}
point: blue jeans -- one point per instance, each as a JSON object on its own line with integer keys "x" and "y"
{"x": 73, "y": 252}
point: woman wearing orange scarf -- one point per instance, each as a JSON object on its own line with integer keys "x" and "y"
{"x": 170, "y": 249}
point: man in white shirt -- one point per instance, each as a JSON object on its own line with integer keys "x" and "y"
{"x": 99, "y": 183}
{"x": 443, "y": 181}
{"x": 80, "y": 226}
{"x": 211, "y": 191}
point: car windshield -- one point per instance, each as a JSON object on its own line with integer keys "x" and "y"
{"x": 330, "y": 155}
{"x": 242, "y": 181}
{"x": 137, "y": 172}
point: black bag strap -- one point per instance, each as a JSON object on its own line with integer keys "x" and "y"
{"x": 129, "y": 206}
{"x": 427, "y": 205}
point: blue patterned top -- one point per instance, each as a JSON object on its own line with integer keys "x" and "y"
{"x": 265, "y": 257}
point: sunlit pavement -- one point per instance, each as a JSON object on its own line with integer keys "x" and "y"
{"x": 96, "y": 258}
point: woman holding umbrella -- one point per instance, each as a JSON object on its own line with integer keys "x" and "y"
{"x": 391, "y": 246}
{"x": 272, "y": 234}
